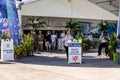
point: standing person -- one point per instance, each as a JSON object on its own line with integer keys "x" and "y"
{"x": 40, "y": 40}
{"x": 90, "y": 36}
{"x": 62, "y": 35}
{"x": 68, "y": 38}
{"x": 104, "y": 38}
{"x": 48, "y": 42}
{"x": 60, "y": 41}
{"x": 32, "y": 35}
{"x": 53, "y": 41}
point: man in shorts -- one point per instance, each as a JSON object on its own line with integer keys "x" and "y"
{"x": 48, "y": 42}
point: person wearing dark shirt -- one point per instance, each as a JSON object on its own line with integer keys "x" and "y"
{"x": 47, "y": 42}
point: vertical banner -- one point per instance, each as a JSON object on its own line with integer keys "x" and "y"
{"x": 13, "y": 21}
{"x": 118, "y": 27}
{"x": 3, "y": 17}
{"x": 9, "y": 22}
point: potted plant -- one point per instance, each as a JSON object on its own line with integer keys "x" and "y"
{"x": 112, "y": 45}
{"x": 86, "y": 44}
{"x": 94, "y": 43}
{"x": 24, "y": 50}
{"x": 25, "y": 47}
{"x": 28, "y": 44}
{"x": 17, "y": 52}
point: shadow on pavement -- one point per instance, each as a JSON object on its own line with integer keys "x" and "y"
{"x": 7, "y": 62}
{"x": 89, "y": 61}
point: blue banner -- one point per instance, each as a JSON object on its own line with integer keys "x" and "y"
{"x": 75, "y": 44}
{"x": 9, "y": 22}
{"x": 3, "y": 16}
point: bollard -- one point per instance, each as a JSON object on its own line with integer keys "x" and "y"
{"x": 115, "y": 57}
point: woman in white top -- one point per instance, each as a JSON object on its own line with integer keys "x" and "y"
{"x": 68, "y": 38}
{"x": 104, "y": 43}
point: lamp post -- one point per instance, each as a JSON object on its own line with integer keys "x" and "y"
{"x": 71, "y": 9}
{"x": 19, "y": 4}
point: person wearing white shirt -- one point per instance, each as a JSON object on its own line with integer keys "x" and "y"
{"x": 53, "y": 41}
{"x": 90, "y": 36}
{"x": 68, "y": 38}
{"x": 104, "y": 38}
{"x": 62, "y": 35}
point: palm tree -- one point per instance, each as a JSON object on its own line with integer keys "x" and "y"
{"x": 104, "y": 26}
{"x": 35, "y": 23}
{"x": 74, "y": 26}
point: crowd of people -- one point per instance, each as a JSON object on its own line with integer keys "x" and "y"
{"x": 47, "y": 41}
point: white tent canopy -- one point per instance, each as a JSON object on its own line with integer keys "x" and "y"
{"x": 82, "y": 9}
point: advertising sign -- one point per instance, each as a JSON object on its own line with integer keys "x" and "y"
{"x": 7, "y": 50}
{"x": 75, "y": 52}
{"x": 9, "y": 22}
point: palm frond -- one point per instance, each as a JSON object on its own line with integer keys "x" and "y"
{"x": 74, "y": 26}
{"x": 39, "y": 18}
{"x": 35, "y": 23}
{"x": 31, "y": 19}
{"x": 104, "y": 26}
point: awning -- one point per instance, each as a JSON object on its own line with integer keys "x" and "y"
{"x": 82, "y": 9}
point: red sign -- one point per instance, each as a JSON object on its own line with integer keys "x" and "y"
{"x": 75, "y": 58}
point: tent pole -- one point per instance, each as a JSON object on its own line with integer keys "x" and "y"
{"x": 118, "y": 26}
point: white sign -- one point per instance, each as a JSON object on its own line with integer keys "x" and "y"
{"x": 75, "y": 52}
{"x": 7, "y": 50}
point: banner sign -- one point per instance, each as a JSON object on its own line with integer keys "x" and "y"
{"x": 7, "y": 50}
{"x": 74, "y": 52}
{"x": 118, "y": 27}
{"x": 9, "y": 22}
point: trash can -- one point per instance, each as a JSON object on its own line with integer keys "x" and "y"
{"x": 115, "y": 57}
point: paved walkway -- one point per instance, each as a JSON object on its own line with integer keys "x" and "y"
{"x": 54, "y": 66}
